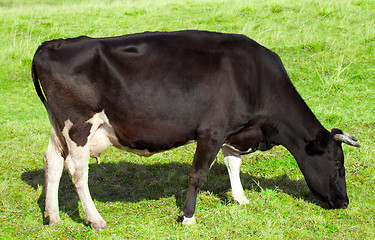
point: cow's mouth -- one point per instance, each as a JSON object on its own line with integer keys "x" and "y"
{"x": 337, "y": 204}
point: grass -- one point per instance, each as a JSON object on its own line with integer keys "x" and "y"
{"x": 328, "y": 49}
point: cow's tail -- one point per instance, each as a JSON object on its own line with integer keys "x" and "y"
{"x": 38, "y": 89}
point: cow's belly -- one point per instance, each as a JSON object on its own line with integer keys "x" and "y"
{"x": 105, "y": 135}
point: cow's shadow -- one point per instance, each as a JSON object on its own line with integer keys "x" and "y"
{"x": 131, "y": 182}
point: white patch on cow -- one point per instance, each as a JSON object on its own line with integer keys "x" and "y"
{"x": 105, "y": 135}
{"x": 189, "y": 221}
{"x": 236, "y": 151}
{"x": 99, "y": 143}
{"x": 101, "y": 135}
{"x": 233, "y": 163}
{"x": 76, "y": 162}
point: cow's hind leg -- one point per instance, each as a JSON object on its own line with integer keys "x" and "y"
{"x": 208, "y": 146}
{"x": 53, "y": 167}
{"x": 77, "y": 165}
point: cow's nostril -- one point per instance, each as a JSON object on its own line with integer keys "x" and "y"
{"x": 344, "y": 205}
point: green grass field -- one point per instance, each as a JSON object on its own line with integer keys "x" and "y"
{"x": 328, "y": 49}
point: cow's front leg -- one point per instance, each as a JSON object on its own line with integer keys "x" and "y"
{"x": 233, "y": 163}
{"x": 207, "y": 149}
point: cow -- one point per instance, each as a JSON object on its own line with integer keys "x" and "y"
{"x": 153, "y": 91}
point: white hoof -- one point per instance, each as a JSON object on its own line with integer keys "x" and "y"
{"x": 187, "y": 222}
{"x": 97, "y": 225}
{"x": 53, "y": 218}
{"x": 53, "y": 221}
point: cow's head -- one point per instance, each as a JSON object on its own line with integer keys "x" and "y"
{"x": 324, "y": 169}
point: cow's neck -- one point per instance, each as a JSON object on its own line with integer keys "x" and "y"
{"x": 297, "y": 125}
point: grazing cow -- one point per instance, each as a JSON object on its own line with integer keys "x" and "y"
{"x": 151, "y": 92}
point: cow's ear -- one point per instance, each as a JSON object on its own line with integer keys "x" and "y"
{"x": 321, "y": 141}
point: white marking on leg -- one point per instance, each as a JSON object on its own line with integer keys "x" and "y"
{"x": 77, "y": 164}
{"x": 53, "y": 167}
{"x": 233, "y": 163}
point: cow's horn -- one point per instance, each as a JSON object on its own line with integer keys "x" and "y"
{"x": 341, "y": 136}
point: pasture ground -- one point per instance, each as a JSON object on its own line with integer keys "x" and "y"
{"x": 328, "y": 49}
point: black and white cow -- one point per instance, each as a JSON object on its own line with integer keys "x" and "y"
{"x": 151, "y": 92}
